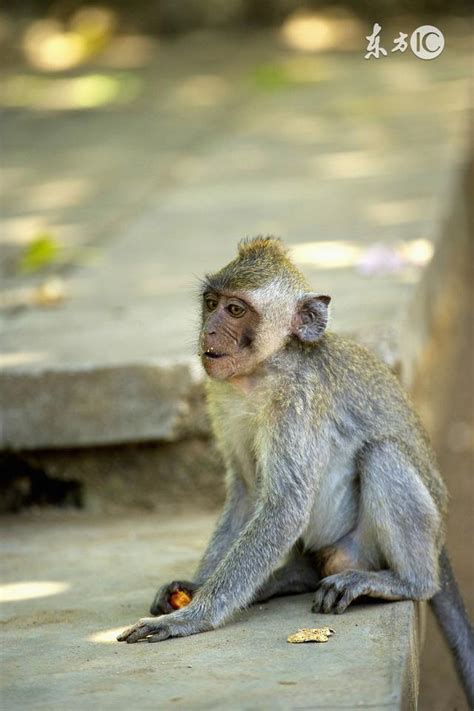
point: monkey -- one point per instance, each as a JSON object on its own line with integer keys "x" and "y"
{"x": 331, "y": 483}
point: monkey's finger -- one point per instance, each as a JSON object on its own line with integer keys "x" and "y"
{"x": 345, "y": 600}
{"x": 140, "y": 634}
{"x": 343, "y": 603}
{"x": 132, "y": 634}
{"x": 137, "y": 631}
{"x": 329, "y": 600}
{"x": 316, "y": 604}
{"x": 137, "y": 636}
{"x": 123, "y": 635}
{"x": 160, "y": 635}
{"x": 318, "y": 599}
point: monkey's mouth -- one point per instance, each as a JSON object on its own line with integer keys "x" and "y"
{"x": 215, "y": 355}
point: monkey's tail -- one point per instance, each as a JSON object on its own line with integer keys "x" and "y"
{"x": 452, "y": 618}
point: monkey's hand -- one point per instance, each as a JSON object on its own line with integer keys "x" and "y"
{"x": 180, "y": 623}
{"x": 161, "y": 605}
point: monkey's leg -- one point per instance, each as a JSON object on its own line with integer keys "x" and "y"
{"x": 399, "y": 518}
{"x": 298, "y": 575}
{"x": 335, "y": 593}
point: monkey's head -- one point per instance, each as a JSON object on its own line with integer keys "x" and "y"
{"x": 253, "y": 307}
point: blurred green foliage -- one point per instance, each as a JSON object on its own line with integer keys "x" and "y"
{"x": 271, "y": 77}
{"x": 71, "y": 92}
{"x": 41, "y": 252}
{"x": 288, "y": 73}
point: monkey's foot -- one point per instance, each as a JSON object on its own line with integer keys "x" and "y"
{"x": 336, "y": 592}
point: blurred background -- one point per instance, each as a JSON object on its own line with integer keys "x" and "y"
{"x": 140, "y": 142}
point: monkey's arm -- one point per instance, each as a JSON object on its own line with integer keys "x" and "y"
{"x": 272, "y": 532}
{"x": 290, "y": 476}
{"x": 234, "y": 516}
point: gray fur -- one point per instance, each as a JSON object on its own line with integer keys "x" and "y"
{"x": 330, "y": 476}
{"x": 452, "y": 618}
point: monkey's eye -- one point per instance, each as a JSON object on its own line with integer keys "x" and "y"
{"x": 211, "y": 303}
{"x": 236, "y": 310}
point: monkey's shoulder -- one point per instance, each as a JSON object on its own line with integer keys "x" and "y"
{"x": 339, "y": 348}
{"x": 346, "y": 365}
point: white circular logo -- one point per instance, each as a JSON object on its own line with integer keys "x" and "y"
{"x": 427, "y": 42}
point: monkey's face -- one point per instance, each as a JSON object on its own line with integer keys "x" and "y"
{"x": 229, "y": 327}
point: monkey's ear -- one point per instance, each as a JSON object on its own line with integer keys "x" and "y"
{"x": 311, "y": 317}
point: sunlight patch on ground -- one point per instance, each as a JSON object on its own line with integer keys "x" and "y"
{"x": 50, "y": 292}
{"x": 350, "y": 164}
{"x": 106, "y": 636}
{"x": 418, "y": 251}
{"x": 21, "y": 230}
{"x": 47, "y": 47}
{"x": 55, "y": 194}
{"x": 50, "y": 45}
{"x": 12, "y": 592}
{"x": 8, "y": 360}
{"x": 326, "y": 254}
{"x": 318, "y": 32}
{"x": 369, "y": 259}
{"x": 395, "y": 212}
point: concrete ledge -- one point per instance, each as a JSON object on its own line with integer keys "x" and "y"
{"x": 58, "y": 650}
{"x": 98, "y": 405}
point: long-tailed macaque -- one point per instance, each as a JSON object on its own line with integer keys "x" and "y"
{"x": 327, "y": 465}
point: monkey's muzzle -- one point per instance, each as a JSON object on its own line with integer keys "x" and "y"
{"x": 213, "y": 354}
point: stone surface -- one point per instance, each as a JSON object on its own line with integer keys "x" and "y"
{"x": 159, "y": 477}
{"x": 84, "y": 579}
{"x": 353, "y": 168}
{"x": 125, "y": 403}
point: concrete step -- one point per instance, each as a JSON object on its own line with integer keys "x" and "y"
{"x": 59, "y": 626}
{"x": 355, "y": 170}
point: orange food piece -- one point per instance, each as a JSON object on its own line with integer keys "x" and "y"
{"x": 179, "y": 599}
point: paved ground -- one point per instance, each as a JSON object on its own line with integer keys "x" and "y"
{"x": 215, "y": 141}
{"x": 350, "y": 161}
{"x": 78, "y": 581}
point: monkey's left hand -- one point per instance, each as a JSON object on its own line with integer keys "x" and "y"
{"x": 155, "y": 629}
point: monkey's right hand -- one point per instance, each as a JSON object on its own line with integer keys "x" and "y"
{"x": 162, "y": 604}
